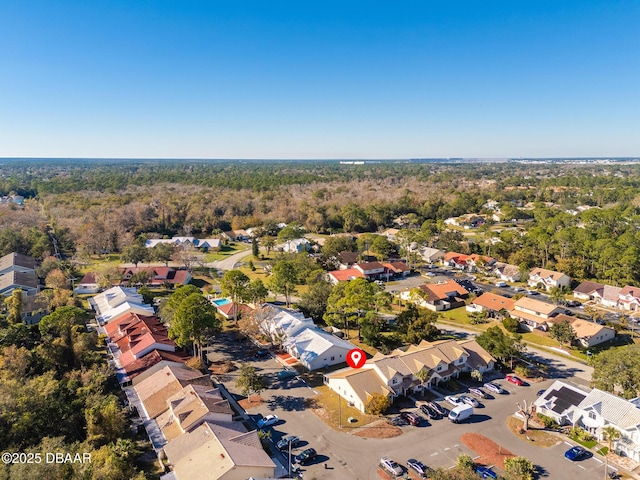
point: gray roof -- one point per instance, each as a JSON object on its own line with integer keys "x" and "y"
{"x": 12, "y": 280}
{"x": 561, "y": 397}
{"x": 615, "y": 410}
{"x": 17, "y": 259}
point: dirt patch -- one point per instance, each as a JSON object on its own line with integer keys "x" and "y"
{"x": 381, "y": 429}
{"x": 251, "y": 402}
{"x": 535, "y": 435}
{"x": 220, "y": 368}
{"x": 490, "y": 452}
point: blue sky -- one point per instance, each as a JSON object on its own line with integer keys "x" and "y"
{"x": 325, "y": 79}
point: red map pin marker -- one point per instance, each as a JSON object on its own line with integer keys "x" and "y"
{"x": 356, "y": 358}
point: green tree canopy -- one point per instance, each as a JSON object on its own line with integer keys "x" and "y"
{"x": 284, "y": 279}
{"x": 249, "y": 380}
{"x": 563, "y": 332}
{"x": 500, "y": 345}
{"x": 194, "y": 319}
{"x": 618, "y": 369}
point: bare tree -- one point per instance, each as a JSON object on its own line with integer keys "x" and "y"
{"x": 526, "y": 412}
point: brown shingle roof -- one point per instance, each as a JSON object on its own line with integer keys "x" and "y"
{"x": 495, "y": 302}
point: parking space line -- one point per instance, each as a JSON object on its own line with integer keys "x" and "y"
{"x": 597, "y": 459}
{"x": 582, "y": 467}
{"x": 445, "y": 449}
{"x": 568, "y": 443}
{"x": 434, "y": 454}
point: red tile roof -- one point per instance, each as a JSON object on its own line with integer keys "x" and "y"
{"x": 231, "y": 309}
{"x": 492, "y": 301}
{"x": 139, "y": 365}
{"x": 346, "y": 275}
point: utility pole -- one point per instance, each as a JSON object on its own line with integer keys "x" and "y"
{"x": 339, "y": 410}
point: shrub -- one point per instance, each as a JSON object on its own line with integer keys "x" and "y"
{"x": 450, "y": 385}
{"x": 378, "y": 404}
{"x": 465, "y": 462}
{"x": 519, "y": 468}
{"x": 548, "y": 422}
{"x": 523, "y": 370}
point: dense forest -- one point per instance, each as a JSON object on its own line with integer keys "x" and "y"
{"x": 92, "y": 207}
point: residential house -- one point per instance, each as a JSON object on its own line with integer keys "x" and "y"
{"x": 396, "y": 269}
{"x": 191, "y": 407}
{"x": 467, "y": 263}
{"x": 629, "y": 298}
{"x": 302, "y": 339}
{"x": 347, "y": 259}
{"x": 139, "y": 368}
{"x": 155, "y": 390}
{"x": 33, "y": 308}
{"x": 491, "y": 303}
{"x": 158, "y": 276}
{"x": 27, "y": 282}
{"x": 397, "y": 373}
{"x": 534, "y": 313}
{"x": 232, "y": 310}
{"x": 219, "y": 451}
{"x": 315, "y": 349}
{"x": 139, "y": 337}
{"x": 548, "y": 279}
{"x": 607, "y": 296}
{"x": 437, "y": 296}
{"x": 87, "y": 284}
{"x": 297, "y": 245}
{"x": 372, "y": 270}
{"x": 602, "y": 409}
{"x": 118, "y": 301}
{"x": 560, "y": 401}
{"x": 205, "y": 244}
{"x": 586, "y": 290}
{"x": 236, "y": 235}
{"x": 337, "y": 276}
{"x": 16, "y": 262}
{"x": 431, "y": 255}
{"x": 390, "y": 233}
{"x": 506, "y": 272}
{"x": 589, "y": 334}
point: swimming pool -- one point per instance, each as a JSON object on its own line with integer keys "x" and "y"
{"x": 220, "y": 301}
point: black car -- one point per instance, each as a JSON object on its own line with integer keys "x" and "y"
{"x": 261, "y": 354}
{"x": 429, "y": 411}
{"x": 306, "y": 456}
{"x": 399, "y": 421}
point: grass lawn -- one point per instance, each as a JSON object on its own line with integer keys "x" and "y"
{"x": 537, "y": 437}
{"x": 585, "y": 444}
{"x": 225, "y": 251}
{"x": 327, "y": 408}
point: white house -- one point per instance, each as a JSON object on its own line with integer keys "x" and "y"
{"x": 601, "y": 409}
{"x": 431, "y": 255}
{"x": 87, "y": 284}
{"x": 590, "y": 333}
{"x": 118, "y": 301}
{"x": 301, "y": 338}
{"x": 560, "y": 401}
{"x": 314, "y": 348}
{"x": 534, "y": 313}
{"x": 548, "y": 278}
{"x": 297, "y": 245}
{"x": 629, "y": 298}
{"x": 506, "y": 272}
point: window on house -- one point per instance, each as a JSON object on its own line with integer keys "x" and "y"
{"x": 395, "y": 380}
{"x": 333, "y": 358}
{"x": 592, "y": 415}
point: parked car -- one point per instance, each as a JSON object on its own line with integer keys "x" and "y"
{"x": 306, "y": 456}
{"x": 573, "y": 303}
{"x": 285, "y": 374}
{"x": 485, "y": 472}
{"x": 494, "y": 387}
{"x": 515, "y": 380}
{"x": 261, "y": 354}
{"x": 284, "y": 442}
{"x": 518, "y": 289}
{"x": 469, "y": 400}
{"x": 399, "y": 421}
{"x": 453, "y": 400}
{"x": 477, "y": 392}
{"x": 540, "y": 392}
{"x": 532, "y": 292}
{"x": 419, "y": 467}
{"x": 412, "y": 418}
{"x": 268, "y": 421}
{"x": 391, "y": 466}
{"x": 575, "y": 453}
{"x": 441, "y": 410}
{"x": 430, "y": 274}
{"x": 429, "y": 411}
{"x": 501, "y": 284}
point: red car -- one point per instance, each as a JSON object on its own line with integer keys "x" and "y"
{"x": 514, "y": 379}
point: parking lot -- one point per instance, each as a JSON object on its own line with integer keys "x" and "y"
{"x": 343, "y": 455}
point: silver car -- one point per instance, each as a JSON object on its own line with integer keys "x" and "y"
{"x": 391, "y": 466}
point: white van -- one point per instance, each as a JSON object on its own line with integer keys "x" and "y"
{"x": 501, "y": 284}
{"x": 460, "y": 413}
